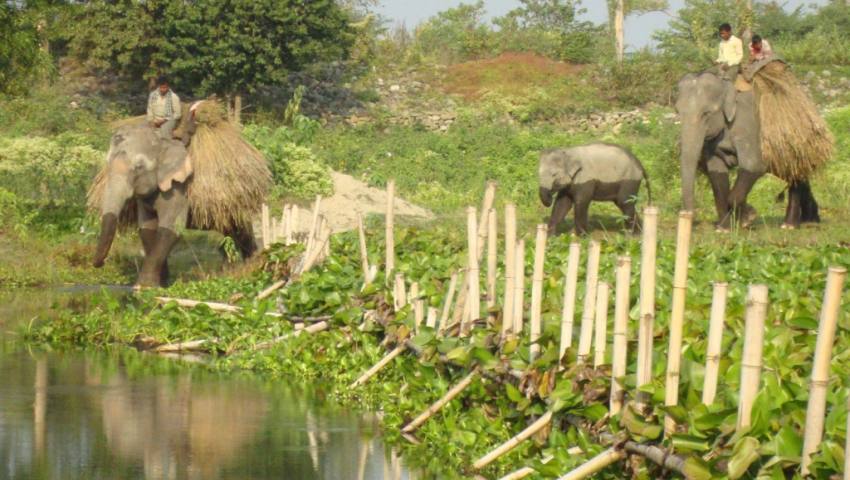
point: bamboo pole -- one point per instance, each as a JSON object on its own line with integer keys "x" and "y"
{"x": 294, "y": 217}
{"x": 286, "y": 219}
{"x": 274, "y": 232}
{"x": 751, "y": 358}
{"x": 442, "y": 402}
{"x": 314, "y": 225}
{"x": 418, "y": 306}
{"x": 510, "y": 268}
{"x": 820, "y": 371}
{"x": 378, "y": 366}
{"x": 526, "y": 471}
{"x": 444, "y": 316}
{"x": 492, "y": 238}
{"x": 390, "y": 224}
{"x": 318, "y": 250}
{"x": 587, "y": 313}
{"x": 364, "y": 253}
{"x": 568, "y": 311}
{"x": 431, "y": 318}
{"x": 487, "y": 203}
{"x": 191, "y": 345}
{"x": 594, "y": 465}
{"x": 601, "y": 328}
{"x": 677, "y": 316}
{"x": 847, "y": 445}
{"x": 506, "y": 447}
{"x": 715, "y": 341}
{"x": 537, "y": 290}
{"x": 264, "y": 222}
{"x": 621, "y": 327}
{"x": 473, "y": 294}
{"x": 519, "y": 287}
{"x": 399, "y": 294}
{"x": 314, "y": 328}
{"x": 647, "y": 301}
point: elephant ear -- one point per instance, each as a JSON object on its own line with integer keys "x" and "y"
{"x": 174, "y": 165}
{"x": 572, "y": 170}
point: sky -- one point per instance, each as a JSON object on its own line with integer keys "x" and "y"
{"x": 638, "y": 29}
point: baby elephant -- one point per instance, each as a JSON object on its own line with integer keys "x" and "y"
{"x": 596, "y": 171}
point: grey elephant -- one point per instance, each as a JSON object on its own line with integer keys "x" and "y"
{"x": 720, "y": 132}
{"x": 596, "y": 171}
{"x": 155, "y": 173}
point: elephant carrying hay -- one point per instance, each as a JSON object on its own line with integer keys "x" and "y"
{"x": 767, "y": 126}
{"x": 217, "y": 183}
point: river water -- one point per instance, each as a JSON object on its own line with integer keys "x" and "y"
{"x": 129, "y": 415}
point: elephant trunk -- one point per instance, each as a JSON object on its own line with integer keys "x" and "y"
{"x": 108, "y": 226}
{"x": 692, "y": 139}
{"x": 546, "y": 196}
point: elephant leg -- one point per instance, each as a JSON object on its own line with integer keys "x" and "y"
{"x": 626, "y": 203}
{"x": 148, "y": 225}
{"x": 583, "y": 196}
{"x": 153, "y": 266}
{"x": 171, "y": 210}
{"x": 793, "y": 211}
{"x": 738, "y": 196}
{"x": 718, "y": 177}
{"x": 559, "y": 211}
{"x": 808, "y": 204}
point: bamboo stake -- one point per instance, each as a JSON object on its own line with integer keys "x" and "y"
{"x": 274, "y": 230}
{"x": 314, "y": 225}
{"x": 431, "y": 319}
{"x": 378, "y": 366}
{"x": 418, "y": 306}
{"x": 474, "y": 296}
{"x": 820, "y": 372}
{"x": 364, "y": 253}
{"x": 492, "y": 238}
{"x": 399, "y": 295}
{"x": 264, "y": 221}
{"x": 510, "y": 268}
{"x": 601, "y": 328}
{"x": 506, "y": 447}
{"x": 751, "y": 358}
{"x": 537, "y": 290}
{"x": 519, "y": 286}
{"x": 647, "y": 301}
{"x": 286, "y": 219}
{"x": 847, "y": 445}
{"x": 271, "y": 289}
{"x": 444, "y": 316}
{"x": 318, "y": 249}
{"x": 294, "y": 217}
{"x": 621, "y": 326}
{"x": 715, "y": 340}
{"x": 442, "y": 402}
{"x": 587, "y": 313}
{"x": 677, "y": 316}
{"x": 568, "y": 311}
{"x": 390, "y": 235}
{"x": 526, "y": 471}
{"x": 594, "y": 465}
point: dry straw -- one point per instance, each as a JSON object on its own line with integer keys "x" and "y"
{"x": 715, "y": 340}
{"x": 820, "y": 372}
{"x": 569, "y": 308}
{"x": 795, "y": 140}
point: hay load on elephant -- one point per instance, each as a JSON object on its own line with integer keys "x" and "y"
{"x": 795, "y": 139}
{"x": 230, "y": 177}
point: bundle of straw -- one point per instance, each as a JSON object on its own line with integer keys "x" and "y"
{"x": 795, "y": 140}
{"x": 230, "y": 179}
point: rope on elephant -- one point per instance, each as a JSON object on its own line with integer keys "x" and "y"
{"x": 795, "y": 139}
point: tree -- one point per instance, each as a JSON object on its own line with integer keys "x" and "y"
{"x": 692, "y": 35}
{"x": 458, "y": 33}
{"x": 618, "y": 10}
{"x": 22, "y": 60}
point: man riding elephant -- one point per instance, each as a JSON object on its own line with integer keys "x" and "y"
{"x": 163, "y": 109}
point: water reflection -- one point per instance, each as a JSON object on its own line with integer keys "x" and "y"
{"x": 134, "y": 416}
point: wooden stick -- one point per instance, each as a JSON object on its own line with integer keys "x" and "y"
{"x": 474, "y": 296}
{"x": 294, "y": 217}
{"x": 621, "y": 327}
{"x": 192, "y": 345}
{"x": 273, "y": 230}
{"x": 444, "y": 316}
{"x": 286, "y": 219}
{"x": 442, "y": 402}
{"x": 399, "y": 294}
{"x": 264, "y": 221}
{"x": 568, "y": 311}
{"x": 537, "y": 290}
{"x": 594, "y": 465}
{"x": 492, "y": 238}
{"x": 418, "y": 306}
{"x": 587, "y": 313}
{"x": 314, "y": 225}
{"x": 378, "y": 366}
{"x": 364, "y": 253}
{"x": 271, "y": 289}
{"x": 526, "y": 471}
{"x": 677, "y": 316}
{"x": 318, "y": 250}
{"x": 647, "y": 301}
{"x": 314, "y": 328}
{"x": 431, "y": 319}
{"x": 820, "y": 372}
{"x": 218, "y": 307}
{"x": 506, "y": 447}
{"x": 510, "y": 267}
{"x": 751, "y": 358}
{"x": 390, "y": 235}
{"x": 715, "y": 341}
{"x": 601, "y": 328}
{"x": 519, "y": 287}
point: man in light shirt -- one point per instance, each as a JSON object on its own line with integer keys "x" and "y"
{"x": 730, "y": 53}
{"x": 163, "y": 109}
{"x": 759, "y": 49}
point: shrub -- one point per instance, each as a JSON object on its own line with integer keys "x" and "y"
{"x": 295, "y": 169}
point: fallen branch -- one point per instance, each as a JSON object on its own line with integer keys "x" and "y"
{"x": 439, "y": 404}
{"x": 315, "y": 328}
{"x": 513, "y": 442}
{"x": 190, "y": 346}
{"x": 378, "y": 366}
{"x": 597, "y": 463}
{"x": 225, "y": 307}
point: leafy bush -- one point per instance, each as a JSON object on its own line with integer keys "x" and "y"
{"x": 295, "y": 169}
{"x": 642, "y": 78}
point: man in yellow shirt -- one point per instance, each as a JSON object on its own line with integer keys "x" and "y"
{"x": 730, "y": 53}
{"x": 163, "y": 109}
